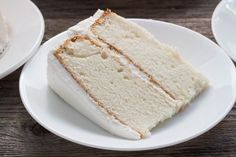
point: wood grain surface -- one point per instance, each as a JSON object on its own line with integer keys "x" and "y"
{"x": 20, "y": 135}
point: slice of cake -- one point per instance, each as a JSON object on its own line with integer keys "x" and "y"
{"x": 106, "y": 89}
{"x": 3, "y": 35}
{"x": 119, "y": 76}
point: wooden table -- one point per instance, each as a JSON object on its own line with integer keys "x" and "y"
{"x": 20, "y": 135}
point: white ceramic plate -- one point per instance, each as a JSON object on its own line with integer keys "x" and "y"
{"x": 204, "y": 112}
{"x": 26, "y": 28}
{"x": 224, "y": 26}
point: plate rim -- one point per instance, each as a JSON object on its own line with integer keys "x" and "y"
{"x": 213, "y": 124}
{"x": 34, "y": 46}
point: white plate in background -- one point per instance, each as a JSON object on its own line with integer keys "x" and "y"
{"x": 202, "y": 114}
{"x": 26, "y": 29}
{"x": 223, "y": 25}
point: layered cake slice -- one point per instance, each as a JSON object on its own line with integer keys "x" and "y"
{"x": 119, "y": 76}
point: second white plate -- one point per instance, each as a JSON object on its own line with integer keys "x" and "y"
{"x": 223, "y": 24}
{"x": 201, "y": 115}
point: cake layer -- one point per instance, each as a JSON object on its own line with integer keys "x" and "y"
{"x": 160, "y": 62}
{"x": 113, "y": 86}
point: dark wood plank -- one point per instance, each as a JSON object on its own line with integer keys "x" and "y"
{"x": 128, "y": 8}
{"x": 20, "y": 135}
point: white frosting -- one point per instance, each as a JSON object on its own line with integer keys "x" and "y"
{"x": 67, "y": 88}
{"x": 83, "y": 26}
{"x": 135, "y": 71}
{"x": 3, "y": 35}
